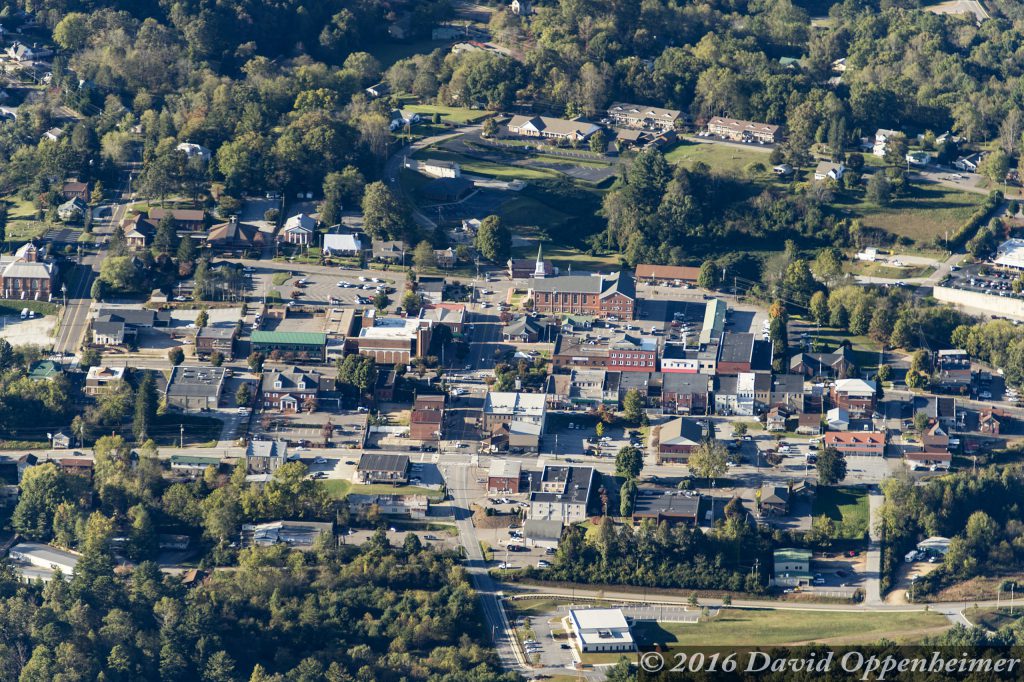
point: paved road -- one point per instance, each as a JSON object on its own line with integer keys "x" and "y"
{"x": 872, "y": 580}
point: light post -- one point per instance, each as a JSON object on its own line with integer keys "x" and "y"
{"x": 64, "y": 291}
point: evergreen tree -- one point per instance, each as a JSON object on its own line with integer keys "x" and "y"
{"x": 145, "y": 407}
{"x": 166, "y": 239}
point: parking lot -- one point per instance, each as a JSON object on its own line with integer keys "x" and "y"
{"x": 568, "y": 434}
{"x": 983, "y": 279}
{"x": 322, "y": 288}
{"x": 307, "y": 429}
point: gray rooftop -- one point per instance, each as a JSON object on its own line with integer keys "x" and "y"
{"x": 196, "y": 381}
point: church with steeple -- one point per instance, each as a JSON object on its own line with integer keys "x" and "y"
{"x": 526, "y": 268}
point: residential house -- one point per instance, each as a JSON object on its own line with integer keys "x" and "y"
{"x": 940, "y": 410}
{"x": 969, "y": 163}
{"x": 20, "y": 52}
{"x": 881, "y": 141}
{"x": 826, "y": 170}
{"x": 776, "y": 418}
{"x": 918, "y": 158}
{"x": 378, "y": 90}
{"x": 744, "y": 131}
{"x": 774, "y": 500}
{"x": 686, "y": 393}
{"x": 642, "y": 116}
{"x": 299, "y": 230}
{"x": 100, "y": 380}
{"x": 857, "y": 443}
{"x": 290, "y": 390}
{"x": 792, "y": 567}
{"x": 378, "y": 468}
{"x": 77, "y": 466}
{"x": 52, "y": 135}
{"x": 195, "y": 387}
{"x": 520, "y": 8}
{"x": 667, "y": 274}
{"x": 195, "y": 151}
{"x": 856, "y": 395}
{"x": 991, "y": 421}
{"x": 611, "y": 295}
{"x": 934, "y": 451}
{"x": 952, "y": 370}
{"x": 562, "y": 493}
{"x": 446, "y": 258}
{"x": 26, "y": 277}
{"x": 552, "y": 128}
{"x": 677, "y": 439}
{"x": 265, "y": 456}
{"x": 389, "y": 251}
{"x": 427, "y": 419}
{"x": 838, "y": 419}
{"x": 838, "y": 364}
{"x": 504, "y": 476}
{"x": 72, "y": 210}
{"x": 809, "y": 424}
{"x": 216, "y": 339}
{"x": 783, "y": 170}
{"x": 525, "y": 329}
{"x": 73, "y": 189}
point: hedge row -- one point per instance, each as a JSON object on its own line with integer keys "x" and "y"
{"x": 977, "y": 219}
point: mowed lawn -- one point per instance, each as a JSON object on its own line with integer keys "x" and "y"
{"x": 721, "y": 158}
{"x": 925, "y": 215}
{"x": 339, "y": 488}
{"x": 458, "y": 115}
{"x": 848, "y": 507}
{"x": 880, "y": 270}
{"x": 767, "y": 627}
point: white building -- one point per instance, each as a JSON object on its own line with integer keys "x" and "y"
{"x": 882, "y": 137}
{"x": 599, "y": 630}
{"x": 342, "y": 245}
{"x": 34, "y": 560}
{"x": 193, "y": 150}
{"x": 562, "y": 493}
{"x": 299, "y": 229}
{"x": 440, "y": 169}
{"x": 1010, "y": 254}
{"x": 505, "y": 408}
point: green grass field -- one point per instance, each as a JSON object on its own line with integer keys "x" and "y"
{"x": 21, "y": 220}
{"x": 489, "y": 168}
{"x": 340, "y": 489}
{"x": 880, "y": 270}
{"x": 865, "y": 349}
{"x": 722, "y": 158}
{"x": 924, "y": 215}
{"x": 280, "y": 278}
{"x": 457, "y": 115}
{"x": 991, "y": 618}
{"x": 764, "y": 627}
{"x": 848, "y": 507}
{"x": 563, "y": 256}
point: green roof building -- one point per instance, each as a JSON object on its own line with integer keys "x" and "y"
{"x": 291, "y": 346}
{"x": 792, "y": 567}
{"x": 44, "y": 369}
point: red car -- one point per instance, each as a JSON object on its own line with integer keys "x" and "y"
{"x": 852, "y": 552}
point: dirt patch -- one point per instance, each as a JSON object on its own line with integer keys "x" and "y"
{"x": 975, "y": 589}
{"x": 898, "y": 594}
{"x": 482, "y": 520}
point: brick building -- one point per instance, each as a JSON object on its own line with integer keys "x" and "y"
{"x": 427, "y": 420}
{"x": 611, "y": 295}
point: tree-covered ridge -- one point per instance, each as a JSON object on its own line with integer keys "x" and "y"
{"x": 370, "y": 613}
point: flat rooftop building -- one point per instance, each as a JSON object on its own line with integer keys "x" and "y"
{"x": 601, "y": 630}
{"x": 35, "y": 560}
{"x": 195, "y": 387}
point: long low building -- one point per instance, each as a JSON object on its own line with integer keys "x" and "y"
{"x": 35, "y": 560}
{"x": 290, "y": 346}
{"x": 553, "y": 128}
{"x": 612, "y": 295}
{"x": 601, "y": 630}
{"x": 744, "y": 131}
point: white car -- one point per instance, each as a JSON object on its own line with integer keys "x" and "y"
{"x": 363, "y": 279}
{"x": 504, "y": 565}
{"x": 319, "y": 460}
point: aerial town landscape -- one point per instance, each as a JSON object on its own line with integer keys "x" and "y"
{"x": 531, "y": 340}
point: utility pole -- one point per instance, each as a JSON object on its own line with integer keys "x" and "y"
{"x": 182, "y": 442}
